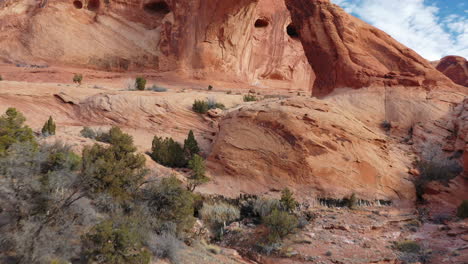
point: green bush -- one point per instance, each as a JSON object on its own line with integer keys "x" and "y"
{"x": 191, "y": 145}
{"x": 140, "y": 83}
{"x": 250, "y": 98}
{"x": 113, "y": 242}
{"x": 462, "y": 210}
{"x": 13, "y": 130}
{"x": 168, "y": 153}
{"x": 170, "y": 202}
{"x": 288, "y": 203}
{"x": 352, "y": 201}
{"x": 78, "y": 78}
{"x": 115, "y": 169}
{"x": 200, "y": 106}
{"x": 197, "y": 165}
{"x": 219, "y": 215}
{"x": 264, "y": 207}
{"x": 408, "y": 246}
{"x": 49, "y": 127}
{"x": 279, "y": 224}
{"x": 88, "y": 132}
{"x": 158, "y": 89}
{"x": 59, "y": 157}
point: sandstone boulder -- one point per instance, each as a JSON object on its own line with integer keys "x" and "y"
{"x": 456, "y": 68}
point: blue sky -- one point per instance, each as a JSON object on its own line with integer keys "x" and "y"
{"x": 433, "y": 28}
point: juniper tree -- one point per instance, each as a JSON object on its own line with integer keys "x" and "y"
{"x": 13, "y": 130}
{"x": 197, "y": 165}
{"x": 191, "y": 145}
{"x": 49, "y": 127}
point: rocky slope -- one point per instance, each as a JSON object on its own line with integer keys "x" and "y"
{"x": 456, "y": 68}
{"x": 346, "y": 52}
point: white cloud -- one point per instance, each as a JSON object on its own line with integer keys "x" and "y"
{"x": 415, "y": 24}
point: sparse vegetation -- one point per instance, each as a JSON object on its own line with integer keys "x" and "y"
{"x": 263, "y": 207}
{"x": 352, "y": 202}
{"x": 115, "y": 242}
{"x": 170, "y": 202}
{"x": 408, "y": 246}
{"x": 166, "y": 246}
{"x": 279, "y": 224}
{"x": 88, "y": 132}
{"x": 213, "y": 104}
{"x": 250, "y": 98}
{"x": 168, "y": 153}
{"x": 115, "y": 169}
{"x": 386, "y": 126}
{"x": 158, "y": 89}
{"x": 200, "y": 106}
{"x": 1, "y": 78}
{"x": 288, "y": 203}
{"x": 77, "y": 78}
{"x": 218, "y": 215}
{"x": 49, "y": 128}
{"x": 462, "y": 210}
{"x": 197, "y": 165}
{"x": 435, "y": 166}
{"x": 140, "y": 83}
{"x": 210, "y": 87}
{"x": 13, "y": 130}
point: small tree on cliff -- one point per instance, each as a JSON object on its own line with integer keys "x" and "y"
{"x": 191, "y": 145}
{"x": 197, "y": 164}
{"x": 49, "y": 127}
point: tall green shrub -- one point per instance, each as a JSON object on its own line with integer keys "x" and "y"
{"x": 49, "y": 127}
{"x": 140, "y": 83}
{"x": 287, "y": 200}
{"x": 279, "y": 224}
{"x": 13, "y": 130}
{"x": 191, "y": 145}
{"x": 168, "y": 153}
{"x": 197, "y": 165}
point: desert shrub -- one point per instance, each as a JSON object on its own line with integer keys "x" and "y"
{"x": 386, "y": 126}
{"x": 140, "y": 83}
{"x": 115, "y": 169}
{"x": 168, "y": 153}
{"x": 229, "y": 92}
{"x": 287, "y": 200}
{"x": 77, "y": 78}
{"x": 49, "y": 127}
{"x": 170, "y": 202}
{"x": 191, "y": 145}
{"x": 434, "y": 166}
{"x": 264, "y": 207}
{"x": 462, "y": 210}
{"x": 13, "y": 130}
{"x": 114, "y": 242}
{"x": 408, "y": 246}
{"x": 352, "y": 201}
{"x": 158, "y": 89}
{"x": 279, "y": 224}
{"x": 1, "y": 78}
{"x": 200, "y": 106}
{"x": 210, "y": 87}
{"x": 88, "y": 132}
{"x": 218, "y": 215}
{"x": 41, "y": 188}
{"x": 166, "y": 246}
{"x": 197, "y": 165}
{"x": 250, "y": 98}
{"x": 213, "y": 104}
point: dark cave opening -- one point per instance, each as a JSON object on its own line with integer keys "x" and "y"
{"x": 292, "y": 31}
{"x": 261, "y": 23}
{"x": 157, "y": 8}
{"x": 94, "y": 5}
{"x": 78, "y": 4}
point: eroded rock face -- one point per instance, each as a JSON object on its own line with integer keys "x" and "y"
{"x": 347, "y": 52}
{"x": 242, "y": 40}
{"x": 309, "y": 145}
{"x": 456, "y": 68}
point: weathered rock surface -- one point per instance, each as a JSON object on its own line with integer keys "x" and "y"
{"x": 347, "y": 52}
{"x": 237, "y": 41}
{"x": 310, "y": 145}
{"x": 456, "y": 68}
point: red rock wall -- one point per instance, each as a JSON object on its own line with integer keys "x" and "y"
{"x": 456, "y": 68}
{"x": 347, "y": 52}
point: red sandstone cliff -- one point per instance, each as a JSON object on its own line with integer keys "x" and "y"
{"x": 456, "y": 68}
{"x": 347, "y": 52}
